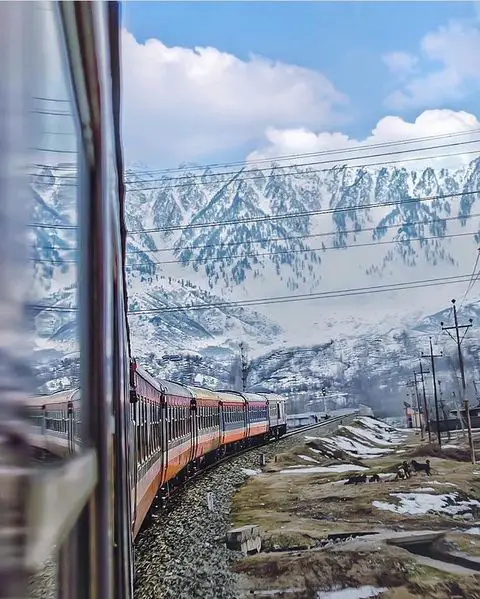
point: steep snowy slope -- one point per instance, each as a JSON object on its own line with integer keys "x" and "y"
{"x": 283, "y": 231}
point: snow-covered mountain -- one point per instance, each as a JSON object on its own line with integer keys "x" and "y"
{"x": 206, "y": 240}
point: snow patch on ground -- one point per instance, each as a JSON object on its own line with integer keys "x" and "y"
{"x": 378, "y": 424}
{"x": 307, "y": 458}
{"x": 419, "y": 504}
{"x": 436, "y": 482}
{"x": 377, "y": 438}
{"x": 365, "y": 592}
{"x": 324, "y": 469}
{"x": 250, "y": 472}
{"x": 358, "y": 441}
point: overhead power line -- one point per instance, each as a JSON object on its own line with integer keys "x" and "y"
{"x": 282, "y": 299}
{"x": 355, "y": 231}
{"x": 358, "y": 147}
{"x": 301, "y": 165}
{"x": 306, "y": 250}
{"x": 202, "y": 260}
{"x": 271, "y": 175}
{"x": 311, "y": 296}
{"x": 52, "y": 112}
{"x": 58, "y": 100}
{"x": 250, "y": 166}
{"x": 273, "y": 217}
{"x": 472, "y": 281}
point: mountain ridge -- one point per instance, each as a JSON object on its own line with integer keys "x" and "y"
{"x": 325, "y": 237}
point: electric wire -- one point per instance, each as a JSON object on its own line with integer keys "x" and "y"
{"x": 355, "y": 231}
{"x": 283, "y": 299}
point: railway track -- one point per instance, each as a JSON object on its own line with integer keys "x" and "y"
{"x": 182, "y": 553}
{"x": 162, "y": 502}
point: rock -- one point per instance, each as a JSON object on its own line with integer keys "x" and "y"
{"x": 245, "y": 539}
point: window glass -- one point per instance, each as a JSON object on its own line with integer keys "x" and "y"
{"x": 53, "y": 226}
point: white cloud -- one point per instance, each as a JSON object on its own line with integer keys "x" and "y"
{"x": 184, "y": 104}
{"x": 400, "y": 63}
{"x": 456, "y": 50}
{"x": 286, "y": 142}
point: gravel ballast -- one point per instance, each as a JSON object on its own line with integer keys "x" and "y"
{"x": 182, "y": 553}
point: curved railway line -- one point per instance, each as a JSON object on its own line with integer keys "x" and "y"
{"x": 208, "y": 467}
{"x": 181, "y": 553}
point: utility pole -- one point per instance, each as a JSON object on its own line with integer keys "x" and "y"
{"x": 407, "y": 405}
{"x": 476, "y": 390}
{"x": 432, "y": 357}
{"x": 425, "y": 406}
{"x": 442, "y": 406}
{"x": 413, "y": 383}
{"x": 458, "y": 341}
{"x": 244, "y": 365}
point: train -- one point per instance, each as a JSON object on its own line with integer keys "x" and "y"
{"x": 173, "y": 431}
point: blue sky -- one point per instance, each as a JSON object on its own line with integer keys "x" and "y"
{"x": 343, "y": 40}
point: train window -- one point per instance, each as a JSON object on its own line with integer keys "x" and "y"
{"x": 169, "y": 422}
{"x": 53, "y": 221}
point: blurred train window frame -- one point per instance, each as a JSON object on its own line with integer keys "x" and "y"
{"x": 59, "y": 495}
{"x": 86, "y": 475}
{"x": 56, "y": 48}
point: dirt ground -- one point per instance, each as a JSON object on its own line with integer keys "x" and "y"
{"x": 297, "y": 513}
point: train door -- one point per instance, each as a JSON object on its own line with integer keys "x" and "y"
{"x": 193, "y": 429}
{"x": 162, "y": 427}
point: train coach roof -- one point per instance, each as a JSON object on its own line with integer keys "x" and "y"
{"x": 251, "y": 397}
{"x": 231, "y": 397}
{"x": 273, "y": 397}
{"x": 168, "y": 387}
{"x": 54, "y": 398}
{"x": 202, "y": 393}
{"x": 176, "y": 389}
{"x": 148, "y": 377}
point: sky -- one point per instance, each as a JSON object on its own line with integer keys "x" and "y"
{"x": 222, "y": 81}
